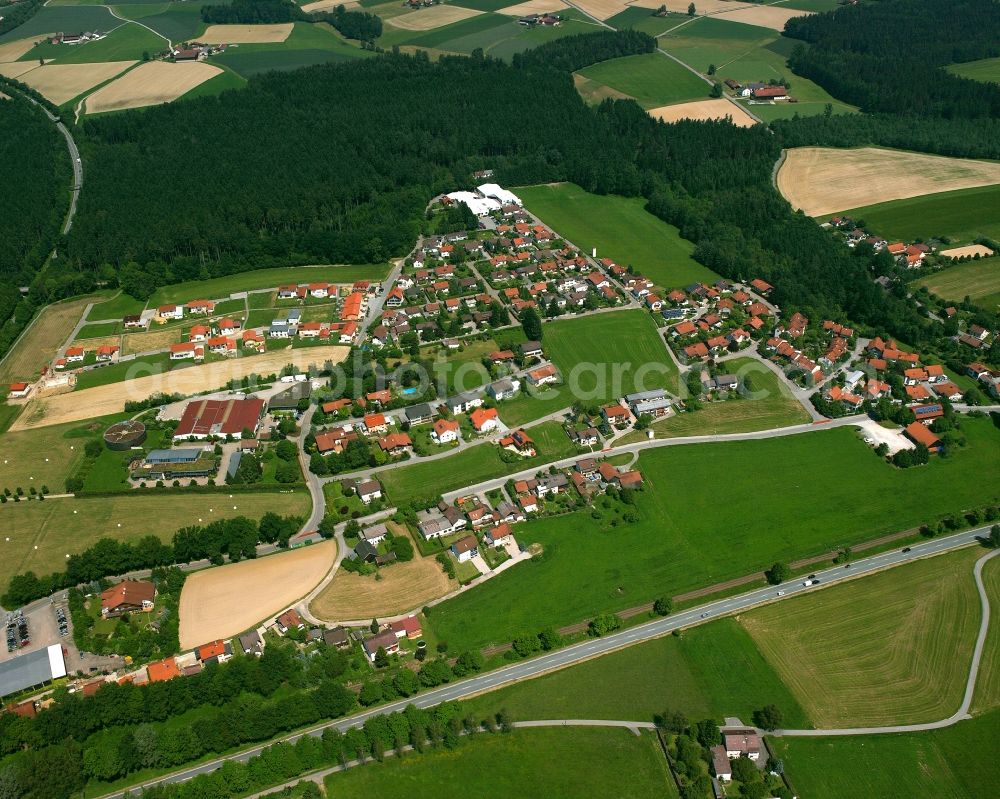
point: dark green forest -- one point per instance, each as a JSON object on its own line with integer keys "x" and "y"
{"x": 352, "y": 24}
{"x": 887, "y": 56}
{"x": 37, "y": 176}
{"x": 252, "y": 12}
{"x": 16, "y": 14}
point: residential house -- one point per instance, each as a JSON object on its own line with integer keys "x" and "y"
{"x": 721, "y": 764}
{"x": 163, "y": 670}
{"x": 369, "y": 490}
{"x": 19, "y": 390}
{"x": 289, "y": 620}
{"x": 499, "y": 536}
{"x": 215, "y": 652}
{"x": 375, "y": 423}
{"x": 170, "y": 311}
{"x": 419, "y": 414}
{"x": 106, "y": 352}
{"x": 920, "y": 434}
{"x": 742, "y": 742}
{"x": 465, "y": 549}
{"x": 503, "y": 389}
{"x": 615, "y": 414}
{"x": 385, "y": 640}
{"x": 445, "y": 431}
{"x": 652, "y": 403}
{"x": 484, "y": 420}
{"x": 462, "y": 403}
{"x": 407, "y": 628}
{"x": 337, "y": 637}
{"x": 587, "y": 437}
{"x": 201, "y": 307}
{"x": 543, "y": 375}
{"x": 519, "y": 442}
{"x": 395, "y": 443}
{"x": 252, "y": 644}
{"x": 129, "y": 596}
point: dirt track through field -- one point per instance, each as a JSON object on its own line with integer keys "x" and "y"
{"x": 227, "y": 600}
{"x": 62, "y": 82}
{"x": 704, "y": 110}
{"x": 104, "y": 400}
{"x": 824, "y": 180}
{"x": 246, "y": 34}
{"x": 150, "y": 84}
{"x": 430, "y": 18}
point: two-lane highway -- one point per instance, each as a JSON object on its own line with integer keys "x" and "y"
{"x": 577, "y": 653}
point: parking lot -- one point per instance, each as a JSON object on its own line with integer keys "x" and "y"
{"x": 42, "y": 626}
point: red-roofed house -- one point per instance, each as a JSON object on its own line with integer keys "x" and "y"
{"x": 220, "y": 418}
{"x": 919, "y": 434}
{"x": 445, "y": 431}
{"x": 484, "y": 419}
{"x": 215, "y": 652}
{"x": 498, "y": 536}
{"x": 407, "y": 628}
{"x": 163, "y": 670}
{"x": 129, "y": 596}
{"x": 19, "y": 390}
{"x": 375, "y": 423}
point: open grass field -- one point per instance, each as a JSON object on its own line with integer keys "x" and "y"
{"x": 621, "y": 229}
{"x": 699, "y": 501}
{"x": 705, "y": 110}
{"x": 775, "y": 407}
{"x": 962, "y": 216}
{"x": 152, "y": 83}
{"x": 99, "y": 330}
{"x": 652, "y": 79}
{"x": 472, "y": 465}
{"x": 107, "y": 399}
{"x": 63, "y": 18}
{"x": 986, "y": 70}
{"x": 594, "y": 93}
{"x": 38, "y": 345}
{"x": 177, "y": 21}
{"x": 427, "y": 19}
{"x": 978, "y": 280}
{"x": 246, "y": 34}
{"x": 987, "y": 695}
{"x": 116, "y": 307}
{"x": 559, "y": 763}
{"x": 264, "y": 586}
{"x": 218, "y": 288}
{"x": 826, "y": 180}
{"x": 225, "y": 80}
{"x": 62, "y": 82}
{"x": 126, "y": 42}
{"x": 953, "y": 763}
{"x": 713, "y": 670}
{"x": 402, "y": 587}
{"x": 599, "y": 358}
{"x": 893, "y": 648}
{"x": 54, "y": 528}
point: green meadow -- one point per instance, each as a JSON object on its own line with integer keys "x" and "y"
{"x": 651, "y": 78}
{"x": 713, "y": 512}
{"x": 621, "y": 229}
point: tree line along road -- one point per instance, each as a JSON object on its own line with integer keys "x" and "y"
{"x": 577, "y": 653}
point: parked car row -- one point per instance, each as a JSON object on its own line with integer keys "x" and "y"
{"x": 17, "y": 630}
{"x": 63, "y": 623}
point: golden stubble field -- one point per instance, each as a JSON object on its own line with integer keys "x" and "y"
{"x": 704, "y": 110}
{"x": 534, "y": 7}
{"x": 62, "y": 82}
{"x": 824, "y": 180}
{"x": 151, "y": 83}
{"x": 430, "y": 18}
{"x": 106, "y": 400}
{"x": 225, "y": 601}
{"x": 46, "y": 335}
{"x": 246, "y": 34}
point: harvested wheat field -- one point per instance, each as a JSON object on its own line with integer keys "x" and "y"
{"x": 150, "y": 84}
{"x": 11, "y": 51}
{"x": 246, "y": 34}
{"x": 824, "y": 180}
{"x": 326, "y": 5}
{"x": 62, "y": 82}
{"x": 94, "y": 343}
{"x": 704, "y": 110}
{"x": 430, "y": 18}
{"x": 604, "y": 9}
{"x": 17, "y": 68}
{"x": 105, "y": 400}
{"x": 764, "y": 16}
{"x": 46, "y": 334}
{"x": 702, "y": 7}
{"x": 225, "y": 601}
{"x": 534, "y": 7}
{"x": 972, "y": 249}
{"x": 134, "y": 343}
{"x": 403, "y": 587}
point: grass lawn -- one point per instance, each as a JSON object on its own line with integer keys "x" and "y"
{"x": 978, "y": 280}
{"x": 58, "y": 527}
{"x": 651, "y": 78}
{"x": 962, "y": 216}
{"x": 599, "y": 357}
{"x": 702, "y": 500}
{"x": 713, "y": 670}
{"x": 775, "y": 408}
{"x": 116, "y": 307}
{"x": 953, "y": 763}
{"x": 221, "y": 287}
{"x": 473, "y": 465}
{"x": 893, "y": 648}
{"x": 564, "y": 762}
{"x": 99, "y": 330}
{"x": 621, "y": 229}
{"x": 127, "y": 42}
{"x": 987, "y": 696}
{"x": 987, "y": 70}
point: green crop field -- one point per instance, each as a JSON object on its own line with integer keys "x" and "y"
{"x": 978, "y": 280}
{"x": 776, "y": 407}
{"x": 465, "y": 28}
{"x": 307, "y": 44}
{"x": 961, "y": 216}
{"x": 43, "y": 533}
{"x": 470, "y": 466}
{"x": 892, "y": 648}
{"x": 599, "y": 358}
{"x": 651, "y": 78}
{"x": 116, "y": 307}
{"x": 177, "y": 21}
{"x": 702, "y": 500}
{"x": 559, "y": 763}
{"x": 987, "y": 70}
{"x": 621, "y": 229}
{"x": 953, "y": 763}
{"x": 216, "y": 85}
{"x": 63, "y": 18}
{"x": 99, "y": 330}
{"x": 221, "y": 287}
{"x": 483, "y": 5}
{"x": 643, "y": 19}
{"x": 810, "y": 5}
{"x": 713, "y": 670}
{"x": 987, "y": 696}
{"x": 127, "y": 370}
{"x": 127, "y": 42}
